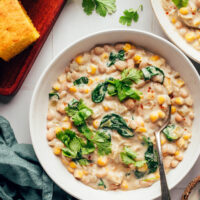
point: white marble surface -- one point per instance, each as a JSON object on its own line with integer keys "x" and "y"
{"x": 72, "y": 24}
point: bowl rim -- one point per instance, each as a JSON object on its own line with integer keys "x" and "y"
{"x": 182, "y": 44}
{"x": 54, "y": 60}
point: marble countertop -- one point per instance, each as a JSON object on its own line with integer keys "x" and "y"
{"x": 72, "y": 24}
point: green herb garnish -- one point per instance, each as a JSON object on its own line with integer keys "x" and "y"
{"x": 82, "y": 80}
{"x": 151, "y": 156}
{"x": 101, "y": 183}
{"x": 102, "y": 6}
{"x": 130, "y": 16}
{"x": 139, "y": 174}
{"x": 180, "y": 3}
{"x": 99, "y": 92}
{"x": 52, "y": 94}
{"x": 172, "y": 132}
{"x": 114, "y": 57}
{"x": 115, "y": 122}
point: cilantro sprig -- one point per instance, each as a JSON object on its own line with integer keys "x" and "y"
{"x": 180, "y": 3}
{"x": 130, "y": 15}
{"x": 102, "y": 7}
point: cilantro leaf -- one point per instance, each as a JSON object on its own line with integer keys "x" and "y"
{"x": 103, "y": 142}
{"x": 88, "y": 6}
{"x": 132, "y": 74}
{"x": 54, "y": 94}
{"x": 130, "y": 15}
{"x": 78, "y": 111}
{"x": 180, "y": 3}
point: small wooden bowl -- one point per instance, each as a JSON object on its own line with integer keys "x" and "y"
{"x": 190, "y": 187}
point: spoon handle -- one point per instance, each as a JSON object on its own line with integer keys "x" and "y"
{"x": 163, "y": 181}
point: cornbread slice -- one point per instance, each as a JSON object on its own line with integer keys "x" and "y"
{"x": 16, "y": 29}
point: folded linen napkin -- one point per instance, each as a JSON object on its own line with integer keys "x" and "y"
{"x": 21, "y": 176}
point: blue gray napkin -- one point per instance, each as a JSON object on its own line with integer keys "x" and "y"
{"x": 21, "y": 176}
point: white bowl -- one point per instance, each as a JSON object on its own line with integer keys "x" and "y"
{"x": 172, "y": 33}
{"x": 39, "y": 104}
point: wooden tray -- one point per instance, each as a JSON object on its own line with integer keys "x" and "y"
{"x": 43, "y": 14}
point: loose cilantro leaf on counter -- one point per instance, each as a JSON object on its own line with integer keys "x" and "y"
{"x": 102, "y": 6}
{"x": 130, "y": 15}
{"x": 82, "y": 80}
{"x": 180, "y": 3}
{"x": 101, "y": 183}
{"x": 114, "y": 57}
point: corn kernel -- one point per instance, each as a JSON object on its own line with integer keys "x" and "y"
{"x": 197, "y": 23}
{"x": 96, "y": 124}
{"x": 66, "y": 119}
{"x": 67, "y": 125}
{"x": 104, "y": 56}
{"x": 73, "y": 89}
{"x": 70, "y": 169}
{"x": 86, "y": 91}
{"x": 157, "y": 175}
{"x": 56, "y": 151}
{"x": 155, "y": 57}
{"x": 177, "y": 153}
{"x": 163, "y": 141}
{"x": 180, "y": 82}
{"x": 92, "y": 70}
{"x": 186, "y": 136}
{"x": 72, "y": 165}
{"x": 161, "y": 99}
{"x": 190, "y": 36}
{"x": 90, "y": 81}
{"x": 144, "y": 168}
{"x": 102, "y": 161}
{"x": 161, "y": 114}
{"x": 58, "y": 129}
{"x": 127, "y": 47}
{"x": 79, "y": 60}
{"x": 137, "y": 59}
{"x": 173, "y": 20}
{"x": 154, "y": 117}
{"x": 140, "y": 137}
{"x": 96, "y": 79}
{"x": 124, "y": 185}
{"x": 78, "y": 174}
{"x": 56, "y": 86}
{"x": 183, "y": 11}
{"x": 179, "y": 101}
{"x": 106, "y": 108}
{"x": 142, "y": 123}
{"x": 141, "y": 130}
{"x": 85, "y": 172}
{"x": 173, "y": 109}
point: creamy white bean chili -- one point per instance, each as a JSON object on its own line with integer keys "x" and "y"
{"x": 103, "y": 111}
{"x": 186, "y": 19}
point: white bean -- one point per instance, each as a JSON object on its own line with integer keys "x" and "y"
{"x": 98, "y": 50}
{"x": 179, "y": 157}
{"x": 51, "y": 135}
{"x": 130, "y": 104}
{"x": 178, "y": 118}
{"x": 61, "y": 108}
{"x": 121, "y": 65}
{"x": 174, "y": 163}
{"x": 184, "y": 92}
{"x": 102, "y": 68}
{"x": 169, "y": 149}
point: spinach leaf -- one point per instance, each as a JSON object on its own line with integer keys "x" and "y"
{"x": 99, "y": 92}
{"x": 180, "y": 3}
{"x": 115, "y": 122}
{"x": 151, "y": 71}
{"x": 114, "y": 57}
{"x": 101, "y": 183}
{"x": 52, "y": 94}
{"x": 172, "y": 132}
{"x": 82, "y": 80}
{"x": 139, "y": 174}
{"x": 78, "y": 111}
{"x": 151, "y": 156}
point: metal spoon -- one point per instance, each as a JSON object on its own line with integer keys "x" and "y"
{"x": 163, "y": 181}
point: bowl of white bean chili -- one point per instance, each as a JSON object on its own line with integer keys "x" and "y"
{"x": 95, "y": 109}
{"x": 180, "y": 20}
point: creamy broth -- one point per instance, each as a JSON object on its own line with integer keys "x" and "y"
{"x": 186, "y": 20}
{"x": 125, "y": 166}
